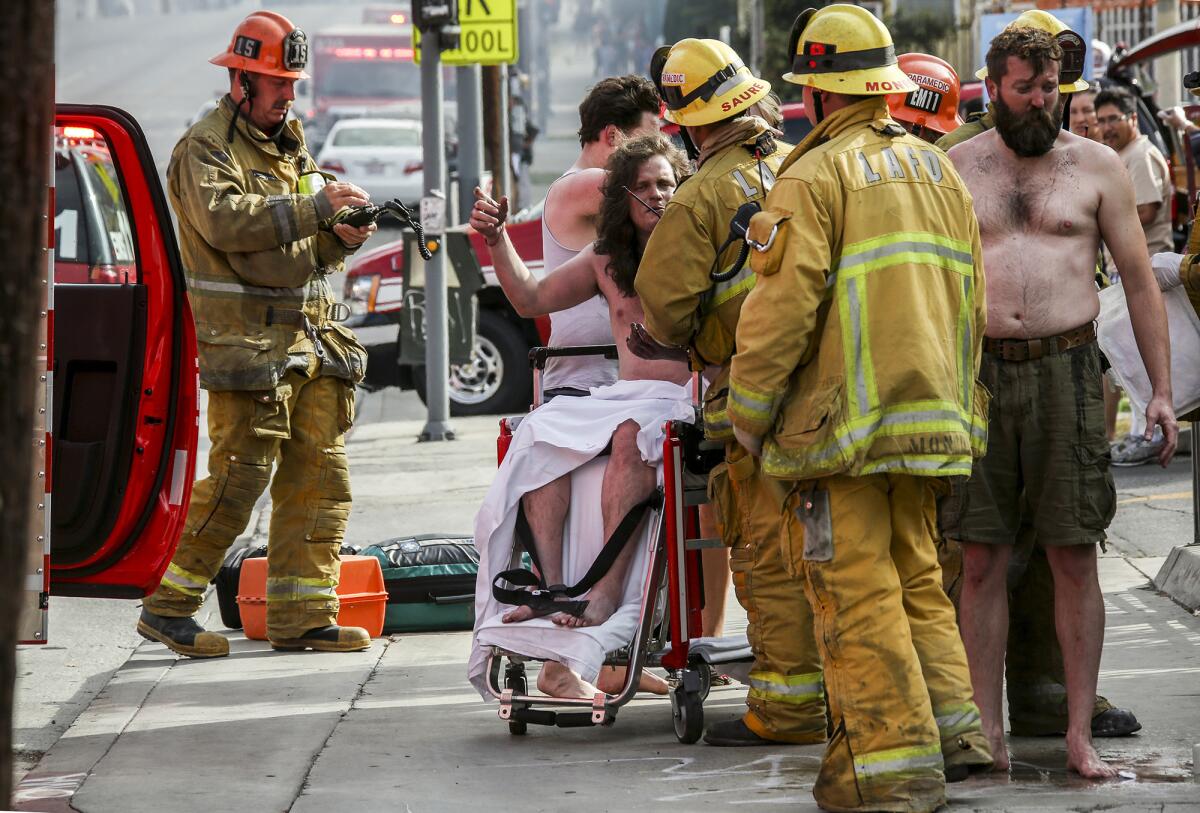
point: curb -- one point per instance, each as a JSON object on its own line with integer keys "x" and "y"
{"x": 1179, "y": 577}
{"x": 68, "y": 763}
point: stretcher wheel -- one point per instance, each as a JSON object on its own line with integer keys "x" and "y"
{"x": 514, "y": 679}
{"x": 687, "y": 708}
{"x": 705, "y": 672}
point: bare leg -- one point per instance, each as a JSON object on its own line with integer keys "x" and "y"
{"x": 715, "y": 563}
{"x": 1079, "y": 619}
{"x": 612, "y": 680}
{"x": 627, "y": 481}
{"x": 546, "y": 510}
{"x": 983, "y": 618}
{"x": 557, "y": 680}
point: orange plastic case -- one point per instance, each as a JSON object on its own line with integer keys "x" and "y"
{"x": 360, "y": 591}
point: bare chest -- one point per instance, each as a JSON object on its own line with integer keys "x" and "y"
{"x": 1047, "y": 199}
{"x": 623, "y": 309}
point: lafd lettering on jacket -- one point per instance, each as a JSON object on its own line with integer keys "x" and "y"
{"x": 920, "y": 165}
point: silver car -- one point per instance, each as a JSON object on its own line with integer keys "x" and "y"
{"x": 383, "y": 156}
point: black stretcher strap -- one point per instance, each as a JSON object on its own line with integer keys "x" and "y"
{"x": 560, "y": 597}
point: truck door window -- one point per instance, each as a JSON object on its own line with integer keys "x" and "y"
{"x": 93, "y": 234}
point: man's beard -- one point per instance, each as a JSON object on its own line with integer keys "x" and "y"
{"x": 1029, "y": 134}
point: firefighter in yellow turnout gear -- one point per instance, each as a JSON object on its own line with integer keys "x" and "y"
{"x": 1033, "y": 664}
{"x": 280, "y": 372}
{"x": 711, "y": 93}
{"x": 855, "y": 382}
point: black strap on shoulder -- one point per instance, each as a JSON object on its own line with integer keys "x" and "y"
{"x": 761, "y": 147}
{"x": 558, "y": 597}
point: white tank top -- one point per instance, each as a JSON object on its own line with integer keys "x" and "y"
{"x": 586, "y": 323}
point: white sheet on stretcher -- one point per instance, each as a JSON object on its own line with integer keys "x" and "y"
{"x": 564, "y": 436}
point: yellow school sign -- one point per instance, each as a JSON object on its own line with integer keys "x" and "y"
{"x": 489, "y": 34}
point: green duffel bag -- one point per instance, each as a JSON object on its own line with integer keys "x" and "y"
{"x": 430, "y": 581}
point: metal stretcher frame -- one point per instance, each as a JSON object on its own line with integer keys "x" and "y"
{"x": 669, "y": 619}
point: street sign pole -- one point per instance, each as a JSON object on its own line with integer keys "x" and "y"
{"x": 433, "y": 217}
{"x": 470, "y": 137}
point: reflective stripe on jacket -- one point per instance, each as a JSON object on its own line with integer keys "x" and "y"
{"x": 858, "y": 347}
{"x": 255, "y": 254}
{"x": 682, "y": 304}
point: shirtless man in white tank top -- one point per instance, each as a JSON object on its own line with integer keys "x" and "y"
{"x": 641, "y": 186}
{"x": 615, "y": 110}
{"x": 1044, "y": 199}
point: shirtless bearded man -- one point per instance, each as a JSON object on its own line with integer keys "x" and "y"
{"x": 1044, "y": 199}
{"x": 642, "y": 176}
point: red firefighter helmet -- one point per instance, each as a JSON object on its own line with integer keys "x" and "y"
{"x": 934, "y": 104}
{"x": 266, "y": 42}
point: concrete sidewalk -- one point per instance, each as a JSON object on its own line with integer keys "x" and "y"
{"x": 398, "y": 728}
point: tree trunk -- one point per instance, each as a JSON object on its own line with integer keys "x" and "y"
{"x": 495, "y": 125}
{"x": 27, "y": 97}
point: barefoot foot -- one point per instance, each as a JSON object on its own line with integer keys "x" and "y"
{"x": 1083, "y": 760}
{"x": 600, "y": 608}
{"x": 999, "y": 750}
{"x": 612, "y": 680}
{"x": 557, "y": 680}
{"x": 521, "y": 614}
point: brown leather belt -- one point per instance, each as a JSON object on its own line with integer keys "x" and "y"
{"x": 1031, "y": 349}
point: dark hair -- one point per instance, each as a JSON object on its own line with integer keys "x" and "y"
{"x": 616, "y": 235}
{"x": 619, "y": 100}
{"x": 1030, "y": 44}
{"x": 1119, "y": 98}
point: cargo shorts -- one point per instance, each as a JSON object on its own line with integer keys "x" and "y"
{"x": 1047, "y": 461}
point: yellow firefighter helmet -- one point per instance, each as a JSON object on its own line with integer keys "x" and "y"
{"x": 704, "y": 81}
{"x": 845, "y": 49}
{"x": 1070, "y": 73}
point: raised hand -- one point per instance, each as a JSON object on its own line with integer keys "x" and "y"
{"x": 488, "y": 217}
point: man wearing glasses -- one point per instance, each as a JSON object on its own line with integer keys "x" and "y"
{"x": 1117, "y": 120}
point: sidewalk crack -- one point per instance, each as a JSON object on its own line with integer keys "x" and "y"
{"x": 387, "y": 641}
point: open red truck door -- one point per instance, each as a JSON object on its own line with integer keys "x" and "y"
{"x": 117, "y": 390}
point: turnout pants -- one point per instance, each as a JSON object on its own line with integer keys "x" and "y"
{"x": 300, "y": 426}
{"x": 786, "y": 701}
{"x": 857, "y": 543}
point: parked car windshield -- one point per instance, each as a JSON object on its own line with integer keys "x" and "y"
{"x": 377, "y": 137}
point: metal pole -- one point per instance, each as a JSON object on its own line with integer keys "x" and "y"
{"x": 437, "y": 346}
{"x": 470, "y": 138}
{"x": 756, "y": 37}
{"x": 504, "y": 172}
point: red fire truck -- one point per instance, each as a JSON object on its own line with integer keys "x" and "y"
{"x": 360, "y": 70}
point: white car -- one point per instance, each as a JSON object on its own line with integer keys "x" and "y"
{"x": 383, "y": 156}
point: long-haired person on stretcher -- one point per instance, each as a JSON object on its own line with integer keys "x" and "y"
{"x": 642, "y": 176}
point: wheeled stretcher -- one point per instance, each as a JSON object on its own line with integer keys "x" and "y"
{"x": 668, "y": 625}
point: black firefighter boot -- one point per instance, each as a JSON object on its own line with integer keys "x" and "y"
{"x": 182, "y": 635}
{"x": 326, "y": 639}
